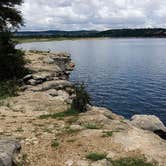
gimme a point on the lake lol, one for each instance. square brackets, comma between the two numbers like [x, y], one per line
[125, 75]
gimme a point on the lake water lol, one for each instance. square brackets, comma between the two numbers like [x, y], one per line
[125, 75]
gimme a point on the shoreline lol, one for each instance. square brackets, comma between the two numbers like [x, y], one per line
[48, 39]
[65, 140]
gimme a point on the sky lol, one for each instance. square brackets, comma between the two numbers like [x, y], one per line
[93, 14]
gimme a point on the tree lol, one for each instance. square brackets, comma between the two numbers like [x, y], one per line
[10, 17]
[11, 59]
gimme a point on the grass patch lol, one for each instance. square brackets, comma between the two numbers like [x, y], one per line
[19, 129]
[131, 162]
[48, 130]
[8, 89]
[55, 143]
[93, 126]
[71, 140]
[110, 133]
[72, 120]
[107, 133]
[72, 131]
[69, 112]
[96, 156]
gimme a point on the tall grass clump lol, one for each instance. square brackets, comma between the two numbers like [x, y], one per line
[81, 99]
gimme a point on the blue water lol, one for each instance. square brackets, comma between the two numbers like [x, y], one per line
[125, 75]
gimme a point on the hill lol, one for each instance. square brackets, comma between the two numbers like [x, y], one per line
[145, 32]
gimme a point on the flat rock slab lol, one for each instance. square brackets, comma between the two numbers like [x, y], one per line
[148, 122]
[8, 149]
[149, 144]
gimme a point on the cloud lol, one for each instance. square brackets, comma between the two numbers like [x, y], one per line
[93, 14]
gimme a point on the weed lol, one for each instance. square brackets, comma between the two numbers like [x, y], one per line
[96, 156]
[19, 129]
[55, 143]
[72, 131]
[108, 133]
[131, 162]
[71, 140]
[93, 126]
[82, 98]
[69, 112]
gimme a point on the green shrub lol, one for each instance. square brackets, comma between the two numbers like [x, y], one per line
[96, 156]
[108, 134]
[131, 162]
[81, 99]
[54, 143]
[8, 89]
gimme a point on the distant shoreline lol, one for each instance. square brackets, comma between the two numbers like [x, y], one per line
[47, 39]
[21, 40]
[33, 36]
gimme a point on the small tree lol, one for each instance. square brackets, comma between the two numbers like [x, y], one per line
[82, 98]
[11, 59]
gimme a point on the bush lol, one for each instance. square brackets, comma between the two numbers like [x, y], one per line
[8, 89]
[131, 162]
[81, 99]
[12, 60]
[96, 156]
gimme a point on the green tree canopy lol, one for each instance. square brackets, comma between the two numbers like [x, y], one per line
[11, 59]
[10, 16]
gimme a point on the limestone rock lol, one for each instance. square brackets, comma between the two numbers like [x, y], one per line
[111, 155]
[76, 127]
[108, 113]
[148, 143]
[55, 84]
[27, 77]
[69, 162]
[103, 162]
[93, 119]
[82, 163]
[8, 149]
[148, 122]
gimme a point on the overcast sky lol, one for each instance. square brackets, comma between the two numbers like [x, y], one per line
[93, 14]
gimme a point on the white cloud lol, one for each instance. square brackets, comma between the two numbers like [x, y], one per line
[93, 14]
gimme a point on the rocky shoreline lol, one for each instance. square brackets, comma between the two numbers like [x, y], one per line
[27, 139]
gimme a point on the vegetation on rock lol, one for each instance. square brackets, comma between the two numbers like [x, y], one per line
[130, 162]
[96, 156]
[69, 112]
[81, 99]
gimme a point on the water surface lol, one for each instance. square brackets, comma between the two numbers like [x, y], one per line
[125, 75]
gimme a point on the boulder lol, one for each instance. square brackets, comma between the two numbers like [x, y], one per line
[145, 142]
[148, 122]
[8, 150]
